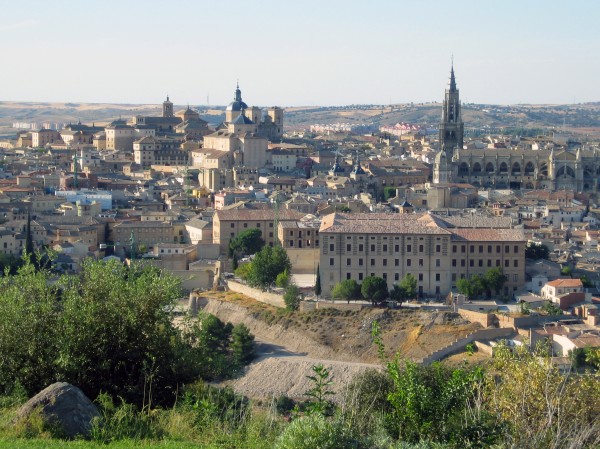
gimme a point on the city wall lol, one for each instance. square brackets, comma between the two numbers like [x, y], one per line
[254, 293]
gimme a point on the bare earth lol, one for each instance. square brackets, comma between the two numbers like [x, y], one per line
[289, 344]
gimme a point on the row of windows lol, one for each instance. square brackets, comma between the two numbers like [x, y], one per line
[438, 248]
[438, 262]
[420, 277]
[232, 225]
[463, 249]
[463, 263]
[384, 248]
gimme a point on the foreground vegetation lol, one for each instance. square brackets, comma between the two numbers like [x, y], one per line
[110, 331]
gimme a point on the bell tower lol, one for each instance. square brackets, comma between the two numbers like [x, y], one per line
[167, 108]
[451, 126]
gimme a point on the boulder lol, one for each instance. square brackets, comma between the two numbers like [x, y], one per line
[64, 406]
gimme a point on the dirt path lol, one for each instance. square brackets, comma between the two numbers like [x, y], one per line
[279, 371]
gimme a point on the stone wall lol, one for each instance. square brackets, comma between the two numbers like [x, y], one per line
[458, 345]
[307, 306]
[304, 260]
[485, 319]
[254, 293]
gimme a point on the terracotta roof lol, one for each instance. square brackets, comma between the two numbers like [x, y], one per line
[490, 235]
[256, 215]
[568, 283]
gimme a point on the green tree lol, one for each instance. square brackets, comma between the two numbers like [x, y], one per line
[282, 280]
[374, 289]
[397, 294]
[28, 236]
[242, 345]
[292, 297]
[408, 284]
[466, 287]
[243, 271]
[566, 270]
[266, 265]
[494, 279]
[318, 290]
[536, 251]
[347, 290]
[586, 281]
[320, 391]
[248, 241]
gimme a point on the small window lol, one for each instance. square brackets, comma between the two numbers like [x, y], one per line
[408, 262]
[360, 276]
[506, 263]
[348, 262]
[516, 249]
[348, 248]
[438, 277]
[360, 262]
[438, 248]
[372, 262]
[397, 262]
[372, 248]
[516, 263]
[453, 262]
[408, 248]
[385, 248]
[438, 263]
[361, 247]
[385, 262]
[331, 247]
[331, 263]
[396, 277]
[420, 276]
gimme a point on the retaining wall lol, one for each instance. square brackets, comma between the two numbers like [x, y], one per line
[307, 306]
[458, 345]
[254, 293]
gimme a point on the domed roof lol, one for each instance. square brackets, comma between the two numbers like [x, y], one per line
[237, 104]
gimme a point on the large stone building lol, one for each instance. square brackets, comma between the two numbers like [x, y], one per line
[436, 250]
[503, 168]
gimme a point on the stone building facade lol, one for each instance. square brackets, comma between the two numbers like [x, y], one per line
[437, 251]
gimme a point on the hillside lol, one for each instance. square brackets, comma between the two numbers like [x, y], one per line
[582, 118]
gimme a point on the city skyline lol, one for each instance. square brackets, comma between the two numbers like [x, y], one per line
[301, 53]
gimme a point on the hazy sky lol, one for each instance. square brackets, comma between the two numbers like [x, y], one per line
[299, 52]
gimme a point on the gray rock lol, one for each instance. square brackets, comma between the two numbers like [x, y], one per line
[64, 406]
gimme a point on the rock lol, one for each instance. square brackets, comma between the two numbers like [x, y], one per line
[64, 406]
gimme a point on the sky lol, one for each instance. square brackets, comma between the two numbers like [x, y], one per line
[299, 52]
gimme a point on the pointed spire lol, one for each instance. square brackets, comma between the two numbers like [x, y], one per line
[452, 80]
[238, 92]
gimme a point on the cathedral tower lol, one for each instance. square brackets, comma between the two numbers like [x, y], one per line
[451, 126]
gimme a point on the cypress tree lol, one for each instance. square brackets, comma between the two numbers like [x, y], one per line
[318, 282]
[28, 238]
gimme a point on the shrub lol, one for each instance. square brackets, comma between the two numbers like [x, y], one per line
[316, 431]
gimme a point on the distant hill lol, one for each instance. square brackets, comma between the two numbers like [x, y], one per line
[584, 118]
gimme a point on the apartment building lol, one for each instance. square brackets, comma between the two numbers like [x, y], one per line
[436, 251]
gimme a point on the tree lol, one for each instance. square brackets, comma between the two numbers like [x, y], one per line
[242, 345]
[318, 290]
[292, 297]
[266, 265]
[282, 280]
[320, 391]
[536, 251]
[107, 329]
[28, 236]
[494, 279]
[374, 289]
[466, 287]
[397, 294]
[248, 241]
[346, 290]
[408, 284]
[566, 271]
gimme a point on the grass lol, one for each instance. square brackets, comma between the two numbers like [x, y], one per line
[80, 444]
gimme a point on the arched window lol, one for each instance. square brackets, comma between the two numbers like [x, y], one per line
[489, 167]
[503, 167]
[463, 169]
[516, 169]
[529, 168]
[477, 167]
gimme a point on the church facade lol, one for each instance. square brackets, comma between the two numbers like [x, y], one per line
[504, 168]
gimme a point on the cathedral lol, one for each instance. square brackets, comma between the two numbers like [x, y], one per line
[505, 168]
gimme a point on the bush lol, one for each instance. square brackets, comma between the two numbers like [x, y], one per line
[315, 431]
[365, 400]
[284, 404]
[292, 297]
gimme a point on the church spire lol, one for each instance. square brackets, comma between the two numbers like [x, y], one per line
[452, 80]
